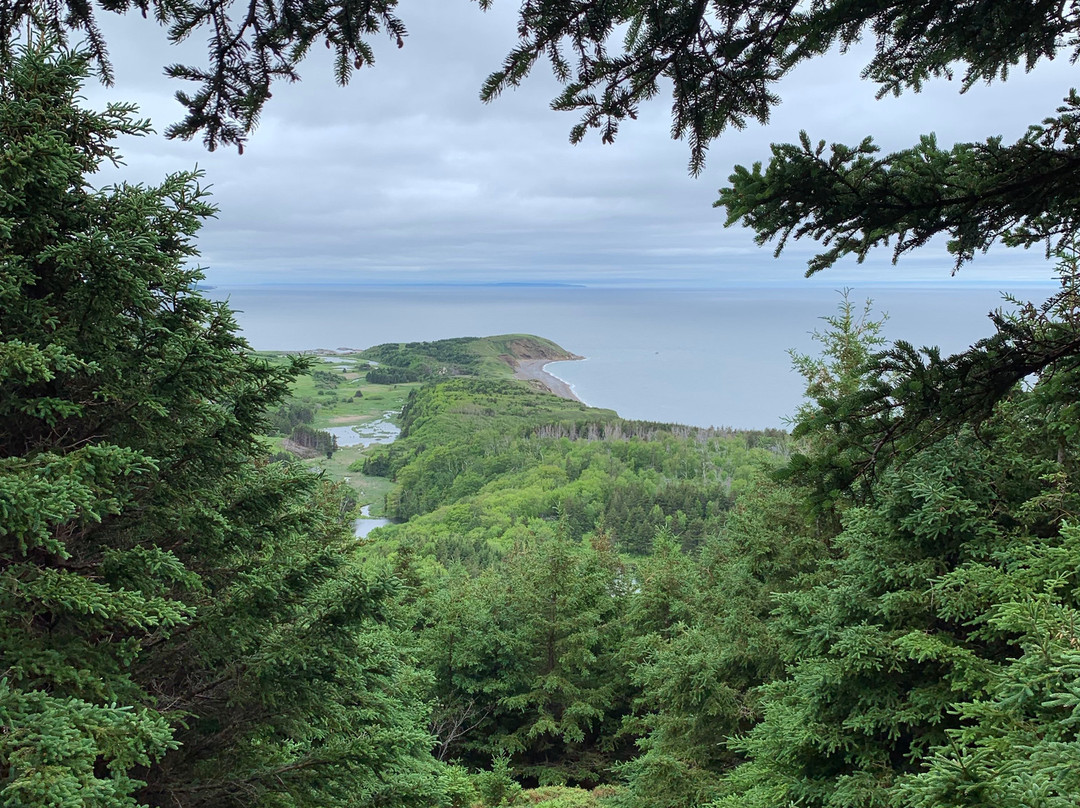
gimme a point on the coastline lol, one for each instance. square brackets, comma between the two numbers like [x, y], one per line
[533, 370]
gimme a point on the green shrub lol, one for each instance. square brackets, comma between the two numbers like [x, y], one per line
[497, 787]
[457, 784]
[562, 797]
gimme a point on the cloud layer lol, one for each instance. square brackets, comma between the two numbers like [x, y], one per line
[404, 175]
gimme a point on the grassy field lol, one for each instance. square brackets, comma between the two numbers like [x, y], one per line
[331, 389]
[337, 390]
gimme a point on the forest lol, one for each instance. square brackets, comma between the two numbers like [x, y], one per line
[879, 609]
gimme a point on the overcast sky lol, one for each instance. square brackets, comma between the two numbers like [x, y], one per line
[405, 175]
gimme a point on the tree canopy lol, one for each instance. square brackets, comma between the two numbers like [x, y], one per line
[181, 622]
[892, 623]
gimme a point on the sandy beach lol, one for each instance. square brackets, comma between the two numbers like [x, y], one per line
[533, 370]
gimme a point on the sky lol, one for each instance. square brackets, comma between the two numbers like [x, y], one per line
[404, 176]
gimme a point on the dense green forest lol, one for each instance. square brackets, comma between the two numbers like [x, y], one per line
[880, 609]
[685, 618]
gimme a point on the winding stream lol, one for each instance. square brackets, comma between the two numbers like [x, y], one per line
[367, 523]
[381, 430]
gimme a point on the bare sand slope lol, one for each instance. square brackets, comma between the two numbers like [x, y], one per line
[533, 370]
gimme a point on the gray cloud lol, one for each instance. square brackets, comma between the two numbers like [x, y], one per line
[405, 174]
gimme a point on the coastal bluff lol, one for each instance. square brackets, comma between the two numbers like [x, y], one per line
[527, 357]
[518, 356]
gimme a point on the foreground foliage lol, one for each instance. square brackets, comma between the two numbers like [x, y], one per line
[575, 599]
[183, 623]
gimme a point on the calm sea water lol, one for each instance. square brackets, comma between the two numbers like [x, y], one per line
[701, 357]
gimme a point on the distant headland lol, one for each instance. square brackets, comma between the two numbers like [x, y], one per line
[518, 356]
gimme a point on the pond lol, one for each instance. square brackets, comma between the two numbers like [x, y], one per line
[367, 523]
[382, 430]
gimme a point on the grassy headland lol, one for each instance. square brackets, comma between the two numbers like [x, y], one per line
[354, 389]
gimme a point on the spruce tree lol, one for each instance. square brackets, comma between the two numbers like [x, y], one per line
[560, 611]
[704, 642]
[934, 660]
[182, 622]
[525, 659]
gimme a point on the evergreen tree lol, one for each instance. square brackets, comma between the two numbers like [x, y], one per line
[183, 623]
[1018, 744]
[932, 663]
[561, 612]
[705, 641]
[525, 660]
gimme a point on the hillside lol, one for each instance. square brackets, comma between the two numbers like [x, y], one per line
[487, 357]
[345, 401]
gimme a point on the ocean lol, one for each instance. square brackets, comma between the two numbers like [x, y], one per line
[705, 357]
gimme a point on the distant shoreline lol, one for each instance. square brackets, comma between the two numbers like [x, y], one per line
[533, 370]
